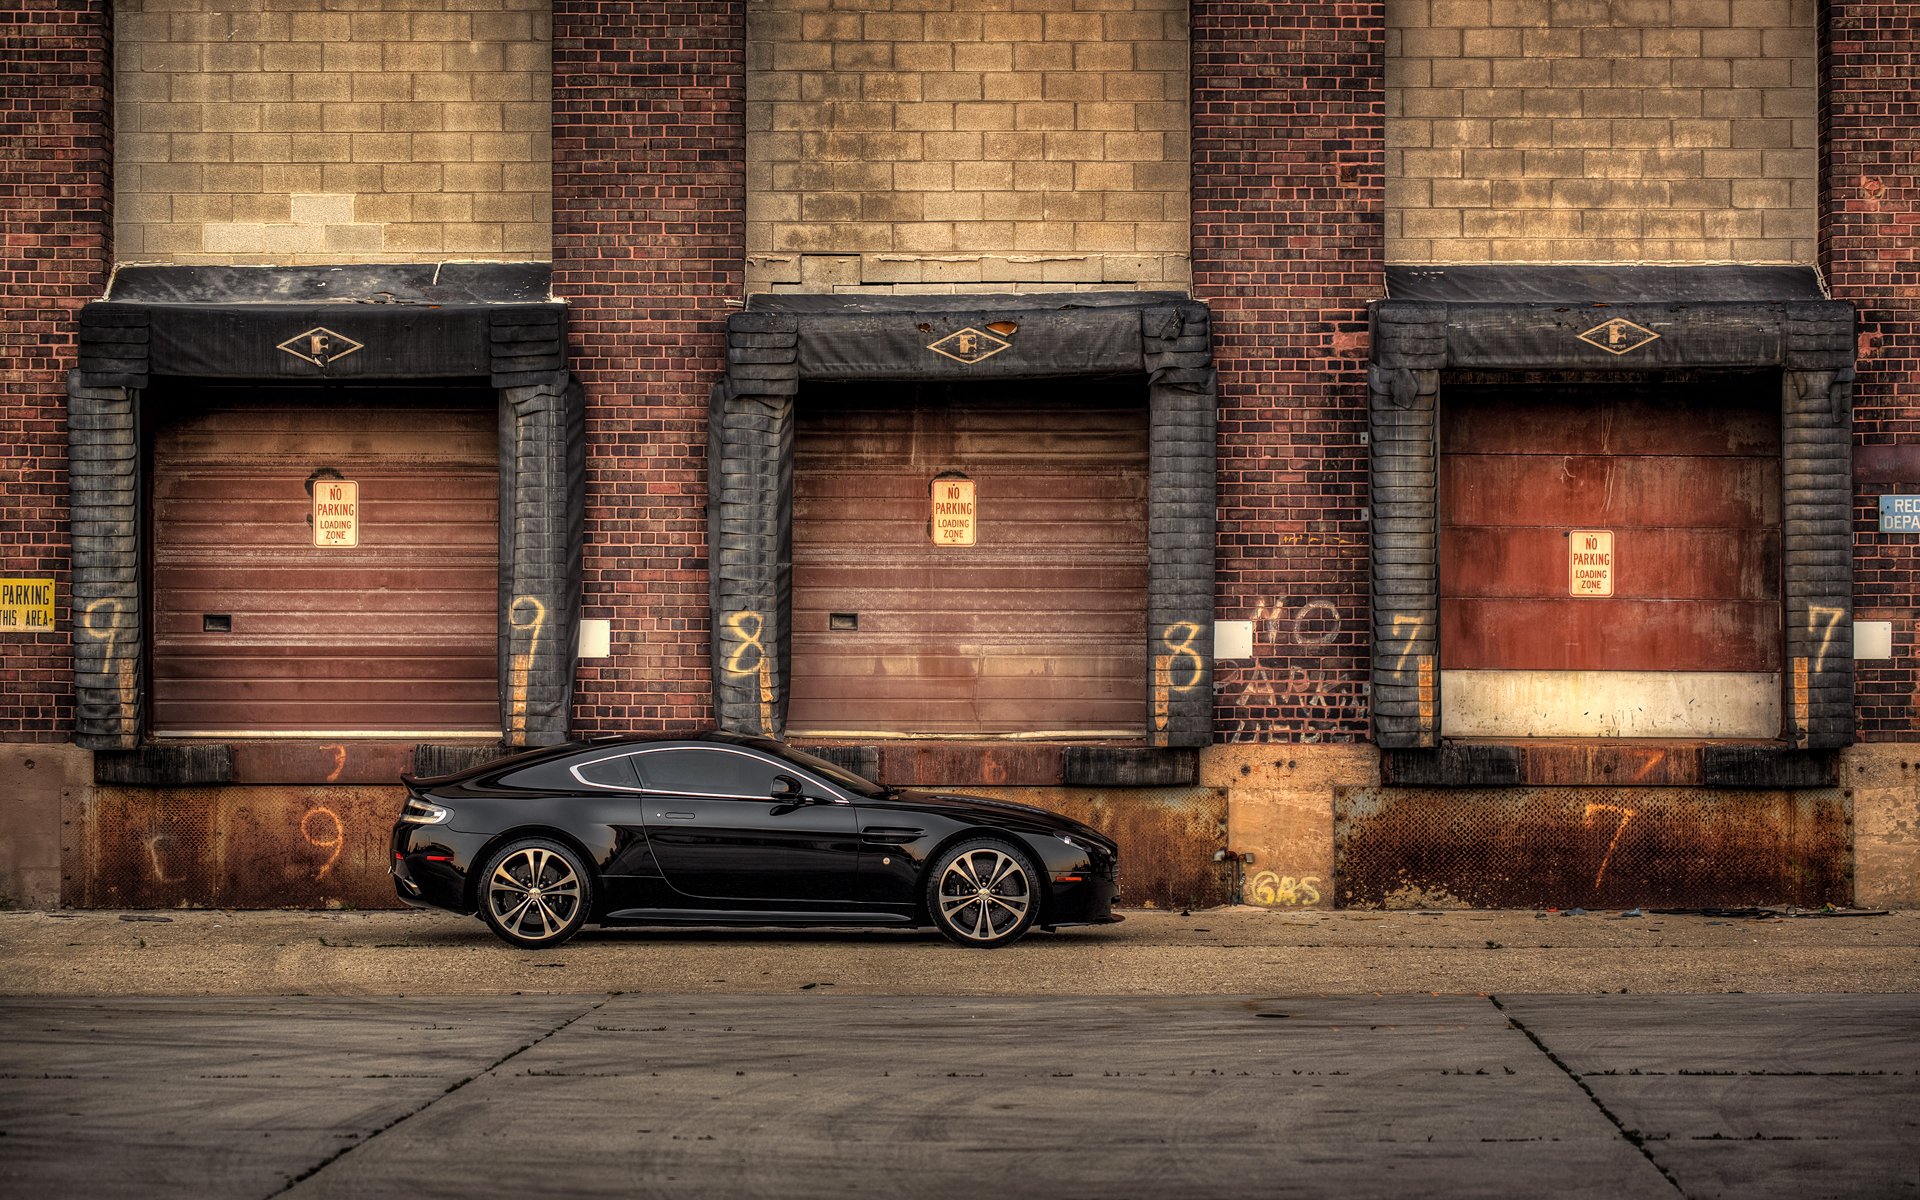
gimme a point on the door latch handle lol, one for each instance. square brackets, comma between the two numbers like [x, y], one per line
[675, 816]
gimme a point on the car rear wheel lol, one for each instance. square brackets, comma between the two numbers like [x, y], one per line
[535, 893]
[983, 893]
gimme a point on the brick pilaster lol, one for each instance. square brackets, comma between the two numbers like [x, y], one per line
[55, 254]
[1870, 252]
[1288, 204]
[649, 245]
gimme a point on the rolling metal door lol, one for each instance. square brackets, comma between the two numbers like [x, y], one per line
[1681, 632]
[257, 630]
[1035, 629]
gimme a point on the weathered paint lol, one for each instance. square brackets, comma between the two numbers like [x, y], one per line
[258, 627]
[1884, 782]
[1617, 571]
[1727, 704]
[1032, 624]
[238, 847]
[1590, 847]
[1167, 836]
[1280, 811]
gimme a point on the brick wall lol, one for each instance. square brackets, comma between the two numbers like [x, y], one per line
[1288, 109]
[1590, 131]
[649, 242]
[55, 97]
[1870, 252]
[947, 145]
[310, 131]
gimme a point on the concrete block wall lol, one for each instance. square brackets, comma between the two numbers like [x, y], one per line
[310, 131]
[1601, 131]
[948, 145]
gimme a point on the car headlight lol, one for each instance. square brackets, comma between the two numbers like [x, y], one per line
[420, 812]
[1069, 841]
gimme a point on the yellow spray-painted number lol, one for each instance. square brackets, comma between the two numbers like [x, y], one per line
[1180, 658]
[747, 626]
[520, 671]
[1815, 613]
[120, 673]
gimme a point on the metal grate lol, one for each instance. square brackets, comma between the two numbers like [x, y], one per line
[1589, 847]
[233, 848]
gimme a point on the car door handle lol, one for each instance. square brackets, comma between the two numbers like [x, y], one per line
[675, 816]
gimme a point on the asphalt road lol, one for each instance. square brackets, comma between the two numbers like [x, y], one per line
[823, 1094]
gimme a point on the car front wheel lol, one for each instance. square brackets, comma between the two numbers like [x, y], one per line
[983, 893]
[535, 893]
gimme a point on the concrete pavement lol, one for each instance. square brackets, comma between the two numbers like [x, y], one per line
[823, 1094]
[1221, 1053]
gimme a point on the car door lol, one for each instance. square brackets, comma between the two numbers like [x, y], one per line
[718, 832]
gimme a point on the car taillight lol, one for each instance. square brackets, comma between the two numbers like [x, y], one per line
[423, 812]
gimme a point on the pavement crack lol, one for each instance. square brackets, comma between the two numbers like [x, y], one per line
[450, 1089]
[1634, 1137]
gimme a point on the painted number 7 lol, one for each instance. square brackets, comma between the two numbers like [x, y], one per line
[1814, 613]
[1406, 642]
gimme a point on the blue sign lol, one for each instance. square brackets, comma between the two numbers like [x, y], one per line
[1900, 514]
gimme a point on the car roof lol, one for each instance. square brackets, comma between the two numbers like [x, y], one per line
[523, 759]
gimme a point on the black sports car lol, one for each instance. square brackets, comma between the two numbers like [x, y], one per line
[721, 829]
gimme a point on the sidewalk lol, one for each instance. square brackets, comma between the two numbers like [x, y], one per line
[1220, 951]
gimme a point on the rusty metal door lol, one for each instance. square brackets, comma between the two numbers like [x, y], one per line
[388, 627]
[1036, 626]
[1611, 546]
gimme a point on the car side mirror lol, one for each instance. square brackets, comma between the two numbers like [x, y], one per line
[787, 790]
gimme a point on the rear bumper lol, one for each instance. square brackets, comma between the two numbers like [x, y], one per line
[429, 865]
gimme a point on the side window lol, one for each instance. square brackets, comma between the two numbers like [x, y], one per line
[610, 772]
[710, 772]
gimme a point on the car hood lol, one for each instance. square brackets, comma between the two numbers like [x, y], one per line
[1000, 812]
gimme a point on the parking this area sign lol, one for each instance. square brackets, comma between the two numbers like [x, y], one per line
[1900, 514]
[26, 605]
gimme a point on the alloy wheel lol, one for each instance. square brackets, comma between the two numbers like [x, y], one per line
[984, 894]
[533, 894]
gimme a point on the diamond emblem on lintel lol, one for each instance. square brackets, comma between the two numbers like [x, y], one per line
[320, 346]
[969, 345]
[1619, 336]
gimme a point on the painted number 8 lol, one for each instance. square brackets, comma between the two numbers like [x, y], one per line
[1178, 640]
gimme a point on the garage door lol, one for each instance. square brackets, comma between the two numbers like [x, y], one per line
[1610, 560]
[390, 628]
[1037, 627]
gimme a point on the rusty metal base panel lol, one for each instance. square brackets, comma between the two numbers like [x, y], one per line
[229, 847]
[1590, 847]
[1167, 839]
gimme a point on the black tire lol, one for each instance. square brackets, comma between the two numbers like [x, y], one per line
[534, 893]
[983, 893]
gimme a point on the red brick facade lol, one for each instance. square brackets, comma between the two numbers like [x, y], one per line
[649, 237]
[1870, 253]
[649, 247]
[55, 254]
[1288, 248]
